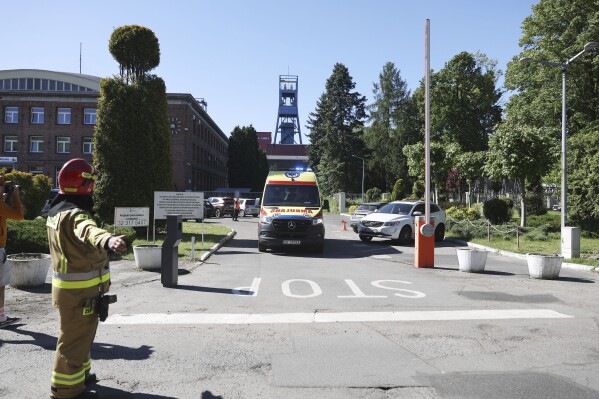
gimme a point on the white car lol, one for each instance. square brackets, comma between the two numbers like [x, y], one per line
[396, 221]
[248, 207]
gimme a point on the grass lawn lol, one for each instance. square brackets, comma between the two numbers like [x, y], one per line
[213, 233]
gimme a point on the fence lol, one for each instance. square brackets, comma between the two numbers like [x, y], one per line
[484, 224]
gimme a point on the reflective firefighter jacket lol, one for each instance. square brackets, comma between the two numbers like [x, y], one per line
[79, 257]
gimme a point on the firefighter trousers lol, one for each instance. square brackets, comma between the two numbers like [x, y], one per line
[72, 362]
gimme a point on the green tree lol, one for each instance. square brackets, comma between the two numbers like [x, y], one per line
[247, 164]
[335, 133]
[470, 165]
[556, 31]
[394, 123]
[465, 98]
[520, 153]
[132, 143]
[583, 180]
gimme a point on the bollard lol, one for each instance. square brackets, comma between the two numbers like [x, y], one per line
[170, 251]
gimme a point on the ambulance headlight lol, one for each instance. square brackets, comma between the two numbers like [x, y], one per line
[266, 219]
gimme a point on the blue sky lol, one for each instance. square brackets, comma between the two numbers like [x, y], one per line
[231, 53]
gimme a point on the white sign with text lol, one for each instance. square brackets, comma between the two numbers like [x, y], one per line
[131, 217]
[190, 205]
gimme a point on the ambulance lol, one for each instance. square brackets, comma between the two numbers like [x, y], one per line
[291, 212]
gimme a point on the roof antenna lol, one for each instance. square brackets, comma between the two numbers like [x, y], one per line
[80, 48]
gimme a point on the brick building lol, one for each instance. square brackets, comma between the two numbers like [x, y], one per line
[47, 118]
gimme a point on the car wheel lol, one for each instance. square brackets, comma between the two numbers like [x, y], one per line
[261, 247]
[365, 238]
[405, 235]
[217, 213]
[242, 213]
[440, 233]
[256, 215]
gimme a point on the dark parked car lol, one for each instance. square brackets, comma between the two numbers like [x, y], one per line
[361, 211]
[51, 196]
[222, 206]
[208, 209]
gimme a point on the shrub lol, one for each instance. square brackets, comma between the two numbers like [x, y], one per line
[462, 213]
[552, 221]
[497, 211]
[32, 236]
[397, 192]
[352, 208]
[373, 194]
[27, 236]
[33, 191]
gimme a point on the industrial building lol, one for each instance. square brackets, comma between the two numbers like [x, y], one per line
[48, 118]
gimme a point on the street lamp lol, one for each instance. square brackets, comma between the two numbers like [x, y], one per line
[564, 67]
[362, 175]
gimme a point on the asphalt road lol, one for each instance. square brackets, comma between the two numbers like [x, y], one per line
[357, 321]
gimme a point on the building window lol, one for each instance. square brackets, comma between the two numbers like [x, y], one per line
[89, 116]
[88, 145]
[10, 143]
[63, 145]
[36, 170]
[36, 144]
[11, 115]
[63, 116]
[37, 115]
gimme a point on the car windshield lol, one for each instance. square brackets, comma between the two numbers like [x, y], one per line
[250, 202]
[369, 208]
[291, 195]
[396, 208]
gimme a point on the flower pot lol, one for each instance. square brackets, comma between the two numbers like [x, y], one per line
[148, 257]
[29, 269]
[543, 266]
[471, 260]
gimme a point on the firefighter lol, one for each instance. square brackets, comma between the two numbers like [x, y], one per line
[81, 277]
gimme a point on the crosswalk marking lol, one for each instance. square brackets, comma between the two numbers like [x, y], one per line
[332, 317]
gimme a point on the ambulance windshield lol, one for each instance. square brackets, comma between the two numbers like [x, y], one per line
[291, 195]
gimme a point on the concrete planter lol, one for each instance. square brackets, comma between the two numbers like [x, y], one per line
[29, 269]
[148, 257]
[544, 266]
[471, 260]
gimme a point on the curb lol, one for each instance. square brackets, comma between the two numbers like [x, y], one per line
[216, 246]
[573, 266]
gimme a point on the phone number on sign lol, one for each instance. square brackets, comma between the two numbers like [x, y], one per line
[137, 223]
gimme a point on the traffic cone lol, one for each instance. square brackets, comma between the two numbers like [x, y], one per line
[344, 225]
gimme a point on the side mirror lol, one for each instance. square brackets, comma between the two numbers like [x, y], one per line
[416, 213]
[325, 205]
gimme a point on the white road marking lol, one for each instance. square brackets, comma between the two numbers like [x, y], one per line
[381, 256]
[340, 317]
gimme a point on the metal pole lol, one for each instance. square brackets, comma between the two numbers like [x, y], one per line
[564, 163]
[427, 126]
[362, 179]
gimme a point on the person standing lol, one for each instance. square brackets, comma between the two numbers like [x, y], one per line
[81, 277]
[236, 209]
[10, 208]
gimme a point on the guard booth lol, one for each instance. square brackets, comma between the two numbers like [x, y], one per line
[170, 251]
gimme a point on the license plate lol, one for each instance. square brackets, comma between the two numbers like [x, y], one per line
[291, 242]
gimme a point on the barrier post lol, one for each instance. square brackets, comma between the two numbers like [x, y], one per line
[425, 245]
